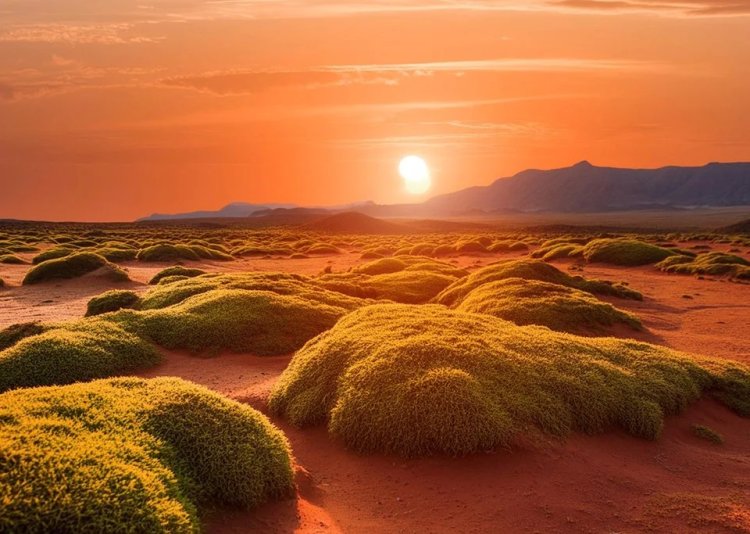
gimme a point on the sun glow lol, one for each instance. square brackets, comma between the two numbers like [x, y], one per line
[416, 174]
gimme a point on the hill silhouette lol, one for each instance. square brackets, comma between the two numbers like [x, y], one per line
[588, 188]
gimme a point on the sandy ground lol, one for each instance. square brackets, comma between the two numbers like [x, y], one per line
[605, 483]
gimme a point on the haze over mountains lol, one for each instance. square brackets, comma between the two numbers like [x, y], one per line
[582, 188]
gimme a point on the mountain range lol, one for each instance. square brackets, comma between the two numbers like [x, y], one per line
[581, 188]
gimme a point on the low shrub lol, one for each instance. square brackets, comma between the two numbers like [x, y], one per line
[417, 380]
[72, 266]
[72, 352]
[626, 252]
[562, 308]
[177, 270]
[132, 455]
[112, 300]
[529, 270]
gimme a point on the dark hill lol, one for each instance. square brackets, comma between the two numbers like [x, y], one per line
[587, 188]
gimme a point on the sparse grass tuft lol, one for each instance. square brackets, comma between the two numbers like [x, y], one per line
[708, 434]
[417, 380]
[131, 455]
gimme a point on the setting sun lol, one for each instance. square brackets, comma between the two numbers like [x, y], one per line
[416, 174]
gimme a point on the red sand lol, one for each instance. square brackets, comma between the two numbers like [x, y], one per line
[605, 483]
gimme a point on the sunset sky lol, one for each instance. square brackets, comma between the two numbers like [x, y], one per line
[114, 109]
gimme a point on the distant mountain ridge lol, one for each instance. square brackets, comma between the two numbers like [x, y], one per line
[581, 188]
[235, 209]
[587, 188]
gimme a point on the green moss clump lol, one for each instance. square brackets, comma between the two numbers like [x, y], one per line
[112, 300]
[407, 279]
[711, 263]
[52, 254]
[115, 254]
[72, 266]
[129, 455]
[627, 252]
[73, 352]
[299, 286]
[167, 252]
[558, 250]
[11, 259]
[177, 270]
[240, 320]
[417, 380]
[708, 434]
[529, 270]
[562, 308]
[14, 333]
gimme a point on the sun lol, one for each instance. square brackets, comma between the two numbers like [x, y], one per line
[416, 174]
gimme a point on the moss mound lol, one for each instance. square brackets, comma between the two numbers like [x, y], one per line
[71, 352]
[626, 252]
[711, 263]
[417, 380]
[529, 270]
[113, 300]
[15, 333]
[73, 266]
[167, 252]
[303, 287]
[11, 259]
[239, 320]
[557, 307]
[130, 455]
[406, 279]
[52, 254]
[177, 270]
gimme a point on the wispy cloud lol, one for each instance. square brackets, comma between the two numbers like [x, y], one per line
[115, 33]
[253, 81]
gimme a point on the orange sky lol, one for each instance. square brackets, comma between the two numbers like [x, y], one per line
[113, 112]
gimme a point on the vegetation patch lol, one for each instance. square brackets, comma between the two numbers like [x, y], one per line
[167, 252]
[626, 252]
[73, 266]
[708, 434]
[113, 300]
[52, 254]
[239, 320]
[529, 270]
[177, 270]
[14, 333]
[407, 279]
[557, 307]
[711, 263]
[70, 352]
[11, 259]
[416, 380]
[131, 455]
